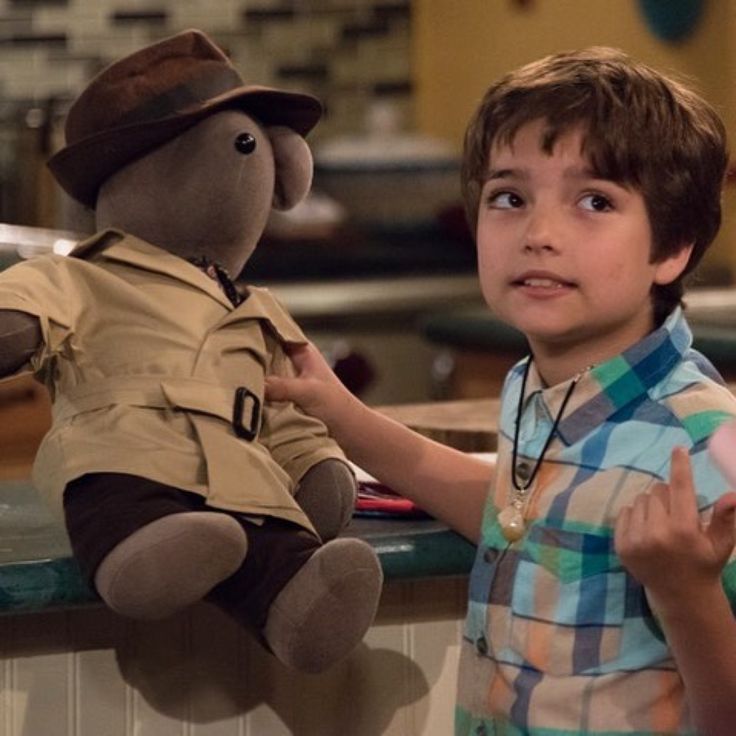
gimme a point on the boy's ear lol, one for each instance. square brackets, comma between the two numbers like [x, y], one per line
[667, 270]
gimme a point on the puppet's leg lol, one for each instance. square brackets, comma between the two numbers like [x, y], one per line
[170, 564]
[325, 610]
[311, 603]
[149, 549]
[326, 494]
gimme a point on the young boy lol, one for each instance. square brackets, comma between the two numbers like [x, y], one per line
[599, 599]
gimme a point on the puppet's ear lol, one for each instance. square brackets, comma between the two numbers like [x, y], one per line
[293, 167]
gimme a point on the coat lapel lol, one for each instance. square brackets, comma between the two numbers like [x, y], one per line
[262, 305]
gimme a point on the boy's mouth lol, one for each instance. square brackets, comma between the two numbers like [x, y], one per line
[540, 280]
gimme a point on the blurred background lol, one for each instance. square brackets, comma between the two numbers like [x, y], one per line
[378, 266]
[380, 251]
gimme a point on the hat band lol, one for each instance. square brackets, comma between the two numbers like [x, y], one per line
[178, 99]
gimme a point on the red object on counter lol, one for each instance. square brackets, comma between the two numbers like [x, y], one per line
[375, 499]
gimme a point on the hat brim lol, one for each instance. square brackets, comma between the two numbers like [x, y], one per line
[82, 167]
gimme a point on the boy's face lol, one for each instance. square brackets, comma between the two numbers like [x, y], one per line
[565, 256]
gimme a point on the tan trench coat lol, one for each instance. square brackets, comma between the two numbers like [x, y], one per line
[143, 354]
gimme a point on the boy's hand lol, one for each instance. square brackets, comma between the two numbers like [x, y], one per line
[662, 542]
[316, 389]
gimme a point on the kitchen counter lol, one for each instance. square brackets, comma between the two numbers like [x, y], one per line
[37, 572]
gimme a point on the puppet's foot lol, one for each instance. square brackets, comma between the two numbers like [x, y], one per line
[326, 608]
[171, 563]
[327, 494]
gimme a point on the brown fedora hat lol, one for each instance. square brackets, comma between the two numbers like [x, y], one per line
[149, 97]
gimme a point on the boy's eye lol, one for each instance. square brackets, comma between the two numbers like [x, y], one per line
[505, 200]
[596, 203]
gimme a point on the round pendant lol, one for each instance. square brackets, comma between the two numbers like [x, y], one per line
[512, 523]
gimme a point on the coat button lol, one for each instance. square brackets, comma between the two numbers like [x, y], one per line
[490, 555]
[481, 645]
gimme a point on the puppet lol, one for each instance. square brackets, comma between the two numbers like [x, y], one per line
[177, 481]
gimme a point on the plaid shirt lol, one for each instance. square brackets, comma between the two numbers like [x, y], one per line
[559, 639]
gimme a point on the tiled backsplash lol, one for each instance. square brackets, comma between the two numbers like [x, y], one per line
[346, 52]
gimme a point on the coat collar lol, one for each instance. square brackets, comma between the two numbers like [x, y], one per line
[607, 388]
[116, 245]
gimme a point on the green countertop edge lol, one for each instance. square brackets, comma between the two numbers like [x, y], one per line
[53, 584]
[437, 553]
[42, 585]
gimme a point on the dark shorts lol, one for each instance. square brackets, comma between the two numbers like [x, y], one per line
[103, 509]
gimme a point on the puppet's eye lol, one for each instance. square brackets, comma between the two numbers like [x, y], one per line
[245, 143]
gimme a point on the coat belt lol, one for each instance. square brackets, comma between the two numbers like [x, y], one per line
[237, 405]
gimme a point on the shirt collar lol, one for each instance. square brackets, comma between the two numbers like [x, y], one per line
[606, 388]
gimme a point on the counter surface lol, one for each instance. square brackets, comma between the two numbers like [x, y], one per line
[406, 550]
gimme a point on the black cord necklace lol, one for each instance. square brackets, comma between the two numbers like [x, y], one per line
[511, 518]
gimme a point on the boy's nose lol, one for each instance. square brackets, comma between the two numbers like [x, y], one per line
[541, 234]
[538, 247]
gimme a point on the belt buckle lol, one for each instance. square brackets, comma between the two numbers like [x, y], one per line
[243, 396]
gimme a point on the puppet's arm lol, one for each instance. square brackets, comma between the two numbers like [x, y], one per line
[20, 336]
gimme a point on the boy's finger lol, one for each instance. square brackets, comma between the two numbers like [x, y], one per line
[273, 390]
[682, 499]
[299, 356]
[278, 389]
[661, 491]
[721, 529]
[309, 362]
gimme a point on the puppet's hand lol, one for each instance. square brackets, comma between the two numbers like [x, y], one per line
[316, 389]
[20, 336]
[662, 542]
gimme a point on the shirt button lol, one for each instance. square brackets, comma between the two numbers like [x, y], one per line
[481, 730]
[481, 645]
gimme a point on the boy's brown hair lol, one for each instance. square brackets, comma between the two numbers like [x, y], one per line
[643, 130]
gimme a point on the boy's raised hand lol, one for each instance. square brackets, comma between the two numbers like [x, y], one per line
[663, 543]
